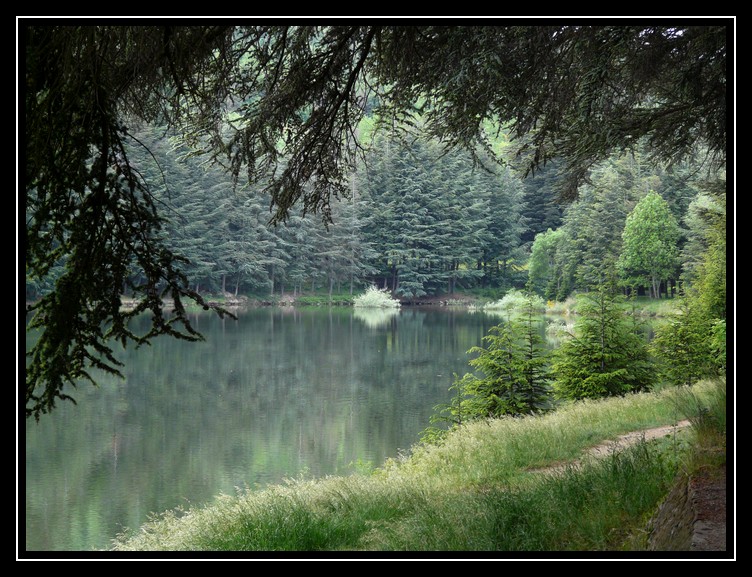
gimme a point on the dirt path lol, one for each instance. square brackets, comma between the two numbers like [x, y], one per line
[624, 441]
[705, 495]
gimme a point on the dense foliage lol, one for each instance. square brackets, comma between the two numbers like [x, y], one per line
[606, 356]
[281, 109]
[594, 243]
[435, 224]
[684, 346]
[650, 244]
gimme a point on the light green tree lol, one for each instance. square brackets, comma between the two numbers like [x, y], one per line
[650, 253]
[543, 272]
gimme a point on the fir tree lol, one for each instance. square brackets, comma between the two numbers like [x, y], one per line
[684, 345]
[605, 357]
[514, 368]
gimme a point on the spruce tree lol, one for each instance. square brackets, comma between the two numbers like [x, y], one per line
[605, 357]
[683, 345]
[514, 369]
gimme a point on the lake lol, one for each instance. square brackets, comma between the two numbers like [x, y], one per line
[280, 393]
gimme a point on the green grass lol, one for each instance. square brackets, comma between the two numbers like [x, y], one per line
[660, 308]
[589, 509]
[707, 413]
[478, 491]
[324, 300]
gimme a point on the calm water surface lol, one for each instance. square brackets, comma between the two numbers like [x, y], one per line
[278, 394]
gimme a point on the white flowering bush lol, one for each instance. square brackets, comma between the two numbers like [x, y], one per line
[376, 298]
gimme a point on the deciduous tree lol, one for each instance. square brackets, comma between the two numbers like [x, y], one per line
[650, 248]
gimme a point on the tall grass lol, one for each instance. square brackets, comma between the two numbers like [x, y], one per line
[480, 490]
[589, 508]
[705, 408]
[514, 303]
[495, 451]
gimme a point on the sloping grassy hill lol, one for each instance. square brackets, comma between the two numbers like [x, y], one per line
[482, 490]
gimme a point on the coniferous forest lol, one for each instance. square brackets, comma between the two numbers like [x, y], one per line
[423, 222]
[186, 162]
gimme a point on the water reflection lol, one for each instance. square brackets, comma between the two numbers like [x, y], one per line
[277, 394]
[375, 317]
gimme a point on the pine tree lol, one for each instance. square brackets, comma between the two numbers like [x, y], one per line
[502, 253]
[605, 357]
[433, 218]
[542, 209]
[514, 369]
[684, 345]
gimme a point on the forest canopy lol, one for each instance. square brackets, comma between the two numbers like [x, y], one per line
[282, 105]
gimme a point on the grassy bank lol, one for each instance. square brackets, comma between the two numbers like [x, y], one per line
[479, 491]
[476, 299]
